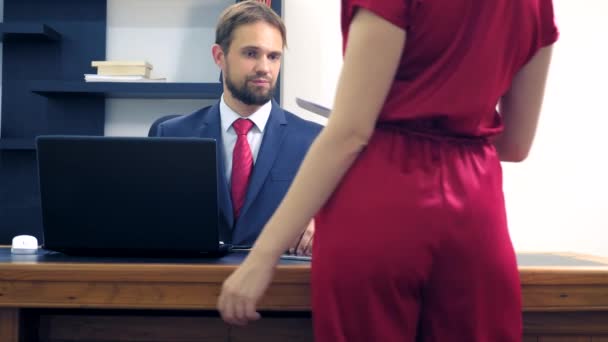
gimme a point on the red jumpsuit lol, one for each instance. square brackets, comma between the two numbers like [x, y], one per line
[414, 245]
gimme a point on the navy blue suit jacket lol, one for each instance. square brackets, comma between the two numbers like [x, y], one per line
[285, 143]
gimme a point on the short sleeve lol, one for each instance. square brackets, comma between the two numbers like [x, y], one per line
[548, 28]
[394, 11]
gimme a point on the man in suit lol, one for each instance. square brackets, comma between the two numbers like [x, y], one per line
[260, 145]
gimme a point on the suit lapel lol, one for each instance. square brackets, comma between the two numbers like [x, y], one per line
[212, 128]
[274, 133]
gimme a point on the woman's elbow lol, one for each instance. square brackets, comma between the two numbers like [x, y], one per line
[513, 148]
[513, 154]
[355, 143]
[351, 141]
[516, 158]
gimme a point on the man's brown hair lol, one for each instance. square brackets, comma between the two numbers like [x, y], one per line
[244, 13]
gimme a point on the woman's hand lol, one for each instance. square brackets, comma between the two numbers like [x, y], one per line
[243, 289]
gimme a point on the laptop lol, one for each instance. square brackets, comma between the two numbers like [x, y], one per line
[129, 196]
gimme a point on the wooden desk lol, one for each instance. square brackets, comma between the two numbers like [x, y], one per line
[58, 298]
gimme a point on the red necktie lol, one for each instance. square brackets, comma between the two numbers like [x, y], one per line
[242, 164]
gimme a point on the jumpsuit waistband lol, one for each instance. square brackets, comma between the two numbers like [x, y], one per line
[431, 129]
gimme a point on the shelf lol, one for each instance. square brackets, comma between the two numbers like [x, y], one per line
[27, 31]
[148, 90]
[17, 144]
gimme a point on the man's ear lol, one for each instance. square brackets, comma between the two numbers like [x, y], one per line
[218, 55]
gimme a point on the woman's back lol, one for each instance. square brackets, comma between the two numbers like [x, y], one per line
[460, 58]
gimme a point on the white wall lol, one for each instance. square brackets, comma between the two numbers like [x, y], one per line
[557, 200]
[314, 55]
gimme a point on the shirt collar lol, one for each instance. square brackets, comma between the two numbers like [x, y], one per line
[259, 118]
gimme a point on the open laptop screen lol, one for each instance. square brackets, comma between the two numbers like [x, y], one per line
[128, 194]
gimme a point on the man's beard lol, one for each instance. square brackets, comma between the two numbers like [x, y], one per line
[245, 94]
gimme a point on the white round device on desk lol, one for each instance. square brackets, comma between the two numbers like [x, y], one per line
[24, 244]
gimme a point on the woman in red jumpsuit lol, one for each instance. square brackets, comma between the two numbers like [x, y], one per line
[411, 240]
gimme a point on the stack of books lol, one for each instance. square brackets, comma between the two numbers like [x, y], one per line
[122, 71]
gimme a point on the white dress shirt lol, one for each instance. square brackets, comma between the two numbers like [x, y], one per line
[254, 137]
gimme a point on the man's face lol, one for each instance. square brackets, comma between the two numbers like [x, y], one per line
[252, 63]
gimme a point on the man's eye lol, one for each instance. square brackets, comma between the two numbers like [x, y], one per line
[250, 53]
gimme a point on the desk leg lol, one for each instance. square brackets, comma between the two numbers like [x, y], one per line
[9, 324]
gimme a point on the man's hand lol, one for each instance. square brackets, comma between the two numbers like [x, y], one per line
[303, 245]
